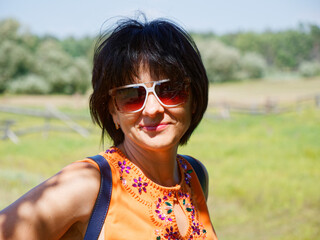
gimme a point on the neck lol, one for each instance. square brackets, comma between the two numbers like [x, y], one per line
[158, 165]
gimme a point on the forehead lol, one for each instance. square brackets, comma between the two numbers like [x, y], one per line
[147, 71]
[145, 74]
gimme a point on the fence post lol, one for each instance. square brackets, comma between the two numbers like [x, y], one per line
[254, 109]
[317, 98]
[8, 133]
[270, 106]
[46, 127]
[68, 121]
[224, 111]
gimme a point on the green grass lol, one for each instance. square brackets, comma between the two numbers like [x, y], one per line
[264, 174]
[264, 170]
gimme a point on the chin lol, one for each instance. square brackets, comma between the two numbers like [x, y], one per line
[159, 143]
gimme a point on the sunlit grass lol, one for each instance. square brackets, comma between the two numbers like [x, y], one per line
[264, 170]
[263, 174]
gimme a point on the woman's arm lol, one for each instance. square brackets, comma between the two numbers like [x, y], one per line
[59, 205]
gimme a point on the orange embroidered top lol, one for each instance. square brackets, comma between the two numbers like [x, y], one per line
[141, 209]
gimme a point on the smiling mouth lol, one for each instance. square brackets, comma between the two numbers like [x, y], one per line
[154, 128]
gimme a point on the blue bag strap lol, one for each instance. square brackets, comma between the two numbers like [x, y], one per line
[200, 173]
[101, 206]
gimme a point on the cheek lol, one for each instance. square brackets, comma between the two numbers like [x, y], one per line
[128, 121]
[184, 116]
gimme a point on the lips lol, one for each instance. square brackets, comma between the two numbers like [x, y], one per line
[154, 127]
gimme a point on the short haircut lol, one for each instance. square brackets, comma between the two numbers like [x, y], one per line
[164, 48]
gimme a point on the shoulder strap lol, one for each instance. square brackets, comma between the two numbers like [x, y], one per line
[103, 200]
[200, 173]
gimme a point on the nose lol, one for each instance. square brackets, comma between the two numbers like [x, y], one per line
[153, 106]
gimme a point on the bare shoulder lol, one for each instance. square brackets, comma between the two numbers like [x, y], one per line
[50, 209]
[76, 186]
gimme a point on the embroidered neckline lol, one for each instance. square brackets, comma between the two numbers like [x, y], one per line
[159, 199]
[126, 166]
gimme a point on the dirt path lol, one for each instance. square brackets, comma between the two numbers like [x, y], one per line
[75, 101]
[259, 92]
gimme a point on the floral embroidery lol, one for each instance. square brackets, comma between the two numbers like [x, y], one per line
[159, 201]
[164, 209]
[140, 185]
[110, 150]
[170, 234]
[197, 230]
[187, 176]
[123, 166]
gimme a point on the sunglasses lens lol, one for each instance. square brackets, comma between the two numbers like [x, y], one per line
[130, 99]
[172, 93]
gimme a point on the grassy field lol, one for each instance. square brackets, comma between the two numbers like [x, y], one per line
[264, 170]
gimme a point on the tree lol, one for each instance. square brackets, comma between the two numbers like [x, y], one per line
[252, 65]
[65, 74]
[284, 49]
[315, 38]
[221, 61]
[9, 29]
[15, 61]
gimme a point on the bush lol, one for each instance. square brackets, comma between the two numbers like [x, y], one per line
[65, 74]
[309, 69]
[221, 62]
[252, 65]
[81, 75]
[29, 84]
[15, 61]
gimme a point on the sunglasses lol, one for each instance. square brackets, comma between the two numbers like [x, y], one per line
[132, 98]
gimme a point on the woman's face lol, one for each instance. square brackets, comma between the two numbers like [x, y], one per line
[155, 127]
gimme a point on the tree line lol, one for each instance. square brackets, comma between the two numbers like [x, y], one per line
[42, 65]
[242, 55]
[48, 65]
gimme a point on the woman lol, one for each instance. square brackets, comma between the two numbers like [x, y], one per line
[150, 91]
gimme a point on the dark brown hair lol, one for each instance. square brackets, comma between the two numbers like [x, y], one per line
[161, 45]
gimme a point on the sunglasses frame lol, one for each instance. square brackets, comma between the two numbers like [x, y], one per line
[112, 93]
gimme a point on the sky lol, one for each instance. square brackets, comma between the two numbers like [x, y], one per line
[79, 18]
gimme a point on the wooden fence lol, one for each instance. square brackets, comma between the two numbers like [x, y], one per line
[6, 126]
[224, 109]
[217, 110]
